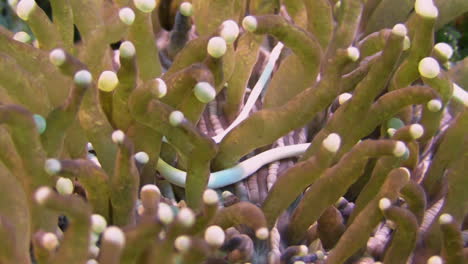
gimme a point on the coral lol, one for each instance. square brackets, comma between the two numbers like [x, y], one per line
[233, 131]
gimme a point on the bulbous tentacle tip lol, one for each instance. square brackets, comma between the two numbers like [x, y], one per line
[150, 189]
[400, 30]
[332, 142]
[434, 105]
[445, 219]
[25, 8]
[353, 53]
[210, 197]
[127, 16]
[429, 68]
[384, 204]
[216, 47]
[406, 43]
[57, 57]
[83, 78]
[127, 50]
[229, 31]
[64, 186]
[407, 172]
[186, 217]
[426, 8]
[435, 260]
[182, 243]
[22, 37]
[162, 87]
[49, 241]
[262, 233]
[98, 223]
[114, 235]
[250, 23]
[416, 131]
[42, 194]
[108, 81]
[176, 118]
[145, 6]
[400, 149]
[118, 136]
[141, 157]
[204, 92]
[52, 166]
[165, 214]
[303, 250]
[391, 131]
[344, 97]
[214, 236]
[444, 49]
[186, 9]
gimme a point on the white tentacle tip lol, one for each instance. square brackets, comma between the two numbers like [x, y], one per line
[204, 92]
[42, 194]
[186, 217]
[229, 31]
[303, 250]
[57, 57]
[22, 37]
[145, 6]
[400, 30]
[344, 97]
[52, 166]
[127, 50]
[141, 157]
[165, 213]
[400, 149]
[49, 241]
[353, 53]
[262, 233]
[176, 118]
[83, 78]
[216, 47]
[416, 131]
[127, 16]
[98, 223]
[64, 186]
[214, 236]
[118, 136]
[445, 219]
[162, 87]
[434, 105]
[332, 142]
[25, 8]
[407, 172]
[186, 9]
[406, 43]
[384, 204]
[460, 95]
[108, 81]
[150, 188]
[426, 8]
[210, 197]
[435, 260]
[250, 23]
[115, 236]
[429, 68]
[182, 243]
[444, 50]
